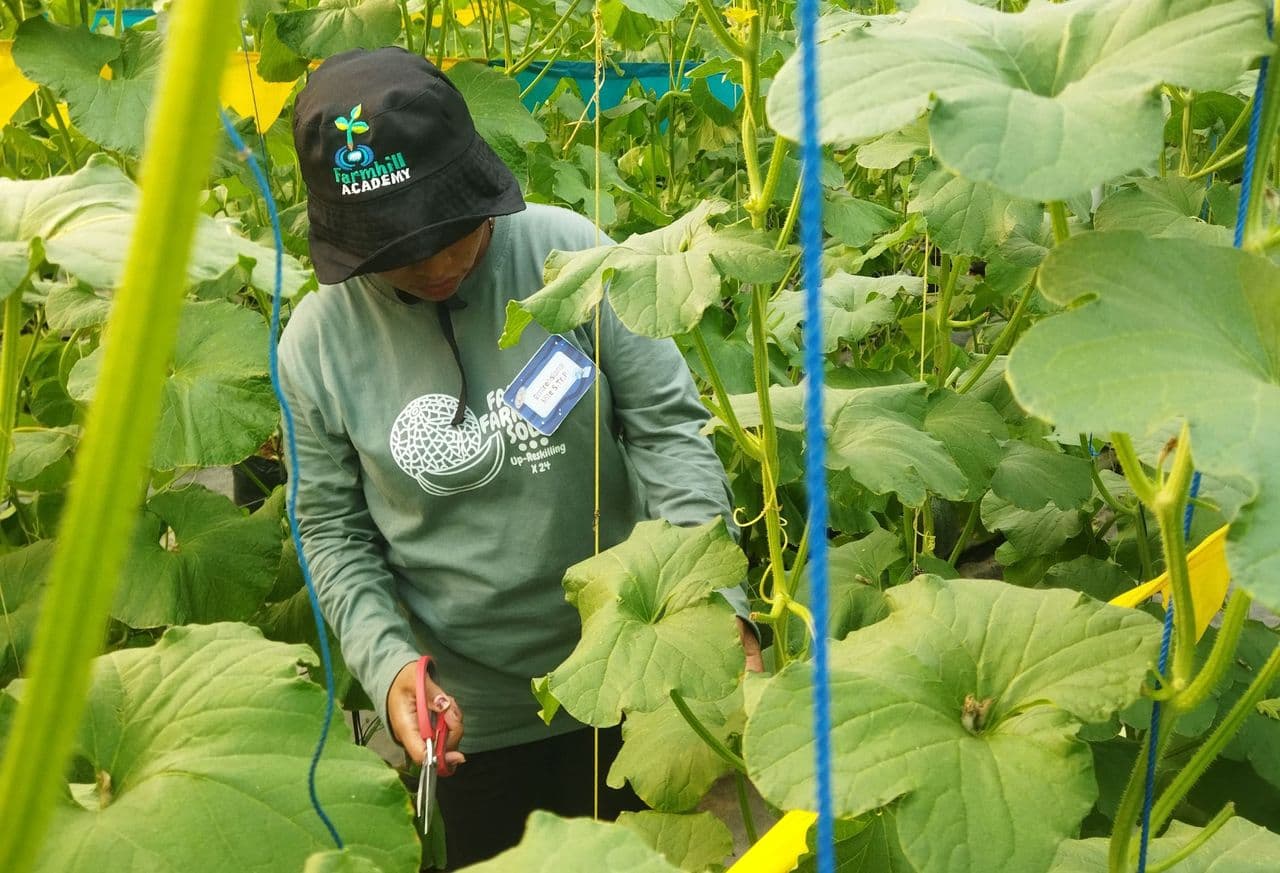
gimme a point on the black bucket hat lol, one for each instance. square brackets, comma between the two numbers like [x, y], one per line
[394, 168]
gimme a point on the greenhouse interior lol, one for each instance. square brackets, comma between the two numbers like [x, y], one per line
[750, 435]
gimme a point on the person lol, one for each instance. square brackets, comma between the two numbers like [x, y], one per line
[434, 516]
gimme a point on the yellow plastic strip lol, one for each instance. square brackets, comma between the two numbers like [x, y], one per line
[1210, 579]
[241, 84]
[779, 849]
[15, 88]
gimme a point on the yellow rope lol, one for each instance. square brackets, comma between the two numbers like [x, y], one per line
[598, 21]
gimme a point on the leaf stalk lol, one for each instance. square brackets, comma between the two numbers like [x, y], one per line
[1217, 741]
[111, 469]
[713, 742]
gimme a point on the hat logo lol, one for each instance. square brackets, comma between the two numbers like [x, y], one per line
[351, 156]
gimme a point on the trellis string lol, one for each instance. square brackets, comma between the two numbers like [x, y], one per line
[815, 456]
[291, 447]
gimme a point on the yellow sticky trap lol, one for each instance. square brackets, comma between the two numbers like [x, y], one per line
[15, 88]
[1210, 578]
[251, 96]
[779, 849]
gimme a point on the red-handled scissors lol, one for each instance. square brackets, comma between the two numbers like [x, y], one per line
[434, 731]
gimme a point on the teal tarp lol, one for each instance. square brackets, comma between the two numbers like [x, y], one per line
[653, 77]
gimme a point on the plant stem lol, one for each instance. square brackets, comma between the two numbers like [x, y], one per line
[749, 444]
[1170, 506]
[64, 136]
[1225, 142]
[529, 56]
[744, 804]
[1184, 151]
[1224, 648]
[769, 470]
[1002, 341]
[789, 224]
[1142, 540]
[10, 379]
[776, 159]
[1058, 217]
[713, 742]
[1119, 851]
[1141, 484]
[1216, 742]
[1206, 834]
[942, 335]
[970, 523]
[504, 13]
[111, 468]
[1265, 147]
[408, 25]
[735, 48]
[750, 97]
[546, 68]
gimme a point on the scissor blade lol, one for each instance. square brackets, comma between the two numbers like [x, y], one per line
[426, 788]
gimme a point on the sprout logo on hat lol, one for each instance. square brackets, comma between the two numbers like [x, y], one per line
[356, 167]
[353, 155]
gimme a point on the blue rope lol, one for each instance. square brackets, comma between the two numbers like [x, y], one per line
[1246, 187]
[815, 460]
[292, 449]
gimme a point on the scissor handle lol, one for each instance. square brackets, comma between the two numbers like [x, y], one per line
[429, 724]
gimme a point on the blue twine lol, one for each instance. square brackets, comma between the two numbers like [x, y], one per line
[1246, 188]
[815, 459]
[292, 449]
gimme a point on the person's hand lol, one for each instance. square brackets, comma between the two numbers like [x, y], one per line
[751, 647]
[402, 712]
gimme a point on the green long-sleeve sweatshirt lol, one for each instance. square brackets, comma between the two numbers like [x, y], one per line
[424, 537]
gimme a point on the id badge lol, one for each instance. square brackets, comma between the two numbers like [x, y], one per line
[550, 385]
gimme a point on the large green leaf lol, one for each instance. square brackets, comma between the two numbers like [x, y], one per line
[651, 623]
[1167, 206]
[1031, 476]
[494, 101]
[855, 570]
[970, 429]
[1240, 847]
[39, 456]
[22, 583]
[863, 845]
[201, 746]
[693, 842]
[668, 765]
[109, 107]
[85, 221]
[965, 217]
[1167, 330]
[335, 26]
[876, 434]
[856, 222]
[340, 861]
[961, 705]
[852, 308]
[1030, 532]
[558, 845]
[218, 406]
[1044, 103]
[659, 282]
[197, 557]
[658, 10]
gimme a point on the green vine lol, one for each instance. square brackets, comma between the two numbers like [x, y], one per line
[112, 462]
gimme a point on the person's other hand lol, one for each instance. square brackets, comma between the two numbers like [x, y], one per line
[402, 712]
[751, 647]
